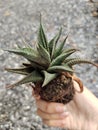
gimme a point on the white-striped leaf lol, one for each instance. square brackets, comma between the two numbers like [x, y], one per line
[22, 70]
[32, 77]
[60, 68]
[58, 60]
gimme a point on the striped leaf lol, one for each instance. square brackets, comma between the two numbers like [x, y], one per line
[44, 53]
[42, 40]
[25, 52]
[32, 77]
[34, 65]
[58, 60]
[22, 70]
[70, 50]
[29, 54]
[79, 61]
[60, 68]
[69, 59]
[53, 42]
[60, 48]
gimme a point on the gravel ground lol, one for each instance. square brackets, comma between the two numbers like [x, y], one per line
[19, 20]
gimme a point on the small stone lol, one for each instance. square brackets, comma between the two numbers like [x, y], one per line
[24, 119]
[26, 108]
[1, 104]
[7, 13]
[95, 13]
[97, 86]
[1, 52]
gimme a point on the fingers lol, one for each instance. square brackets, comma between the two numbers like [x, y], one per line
[52, 114]
[50, 107]
[48, 116]
[56, 123]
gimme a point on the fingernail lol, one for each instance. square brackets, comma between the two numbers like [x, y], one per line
[60, 108]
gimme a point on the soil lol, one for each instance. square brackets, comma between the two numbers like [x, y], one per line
[60, 90]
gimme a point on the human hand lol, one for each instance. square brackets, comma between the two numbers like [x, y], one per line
[79, 114]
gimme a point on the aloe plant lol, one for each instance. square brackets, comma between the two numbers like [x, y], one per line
[49, 68]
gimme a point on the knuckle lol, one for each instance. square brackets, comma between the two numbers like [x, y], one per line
[43, 115]
[47, 107]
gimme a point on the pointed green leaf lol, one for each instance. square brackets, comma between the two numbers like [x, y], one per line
[34, 65]
[42, 40]
[29, 54]
[48, 77]
[60, 68]
[70, 50]
[32, 77]
[26, 64]
[79, 61]
[69, 59]
[58, 60]
[22, 70]
[44, 53]
[38, 65]
[53, 42]
[51, 45]
[25, 52]
[60, 48]
[58, 36]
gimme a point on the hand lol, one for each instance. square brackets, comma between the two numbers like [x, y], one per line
[80, 114]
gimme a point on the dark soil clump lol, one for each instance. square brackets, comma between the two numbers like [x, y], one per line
[60, 90]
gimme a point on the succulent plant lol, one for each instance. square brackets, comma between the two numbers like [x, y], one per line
[49, 68]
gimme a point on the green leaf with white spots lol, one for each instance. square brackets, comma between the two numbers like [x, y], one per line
[58, 60]
[79, 61]
[42, 40]
[29, 54]
[53, 42]
[22, 70]
[32, 77]
[60, 68]
[44, 53]
[59, 50]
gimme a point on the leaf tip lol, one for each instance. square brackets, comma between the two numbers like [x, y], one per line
[10, 86]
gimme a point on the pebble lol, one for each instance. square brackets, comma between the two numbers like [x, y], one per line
[1, 52]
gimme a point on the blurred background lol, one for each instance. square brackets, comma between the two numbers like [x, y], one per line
[19, 21]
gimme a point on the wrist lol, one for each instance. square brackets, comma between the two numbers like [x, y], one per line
[88, 104]
[86, 96]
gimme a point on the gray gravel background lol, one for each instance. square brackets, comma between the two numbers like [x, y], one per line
[19, 19]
